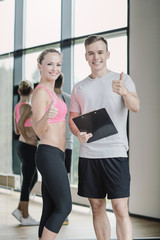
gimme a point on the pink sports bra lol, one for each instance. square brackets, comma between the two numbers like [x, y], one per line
[17, 107]
[59, 104]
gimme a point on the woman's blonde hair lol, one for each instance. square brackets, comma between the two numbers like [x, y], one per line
[45, 52]
[25, 87]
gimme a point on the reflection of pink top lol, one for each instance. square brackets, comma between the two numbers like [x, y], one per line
[57, 103]
[17, 107]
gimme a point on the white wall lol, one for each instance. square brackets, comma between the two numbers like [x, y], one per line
[145, 126]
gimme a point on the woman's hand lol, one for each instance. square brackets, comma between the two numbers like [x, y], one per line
[52, 111]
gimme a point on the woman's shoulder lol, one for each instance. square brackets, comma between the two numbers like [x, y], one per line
[39, 92]
[25, 108]
[20, 105]
[40, 97]
[25, 105]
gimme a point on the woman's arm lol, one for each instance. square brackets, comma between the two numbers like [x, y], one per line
[16, 130]
[39, 120]
[24, 112]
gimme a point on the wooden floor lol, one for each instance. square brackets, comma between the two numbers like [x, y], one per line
[80, 225]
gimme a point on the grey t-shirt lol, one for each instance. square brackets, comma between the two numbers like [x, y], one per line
[92, 94]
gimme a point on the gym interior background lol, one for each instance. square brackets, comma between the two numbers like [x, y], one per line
[132, 30]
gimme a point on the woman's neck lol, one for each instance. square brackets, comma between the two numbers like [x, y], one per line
[24, 99]
[49, 85]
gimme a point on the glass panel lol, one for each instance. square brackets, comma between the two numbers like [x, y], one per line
[80, 63]
[7, 26]
[6, 93]
[30, 69]
[118, 54]
[43, 22]
[31, 72]
[93, 16]
[75, 159]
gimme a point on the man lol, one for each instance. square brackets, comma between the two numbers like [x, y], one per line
[69, 137]
[103, 164]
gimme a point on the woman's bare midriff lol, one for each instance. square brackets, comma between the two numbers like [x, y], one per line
[55, 135]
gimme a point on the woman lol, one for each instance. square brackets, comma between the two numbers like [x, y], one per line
[26, 150]
[48, 121]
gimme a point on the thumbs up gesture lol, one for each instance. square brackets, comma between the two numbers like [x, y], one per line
[52, 111]
[118, 86]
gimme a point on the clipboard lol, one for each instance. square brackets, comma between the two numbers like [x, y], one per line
[97, 122]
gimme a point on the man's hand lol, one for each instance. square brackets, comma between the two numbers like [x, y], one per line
[118, 86]
[83, 136]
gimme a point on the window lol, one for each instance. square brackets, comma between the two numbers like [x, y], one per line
[6, 93]
[98, 16]
[30, 68]
[7, 26]
[43, 22]
[118, 54]
[80, 63]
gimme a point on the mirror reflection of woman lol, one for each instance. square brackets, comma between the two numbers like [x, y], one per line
[26, 150]
[48, 121]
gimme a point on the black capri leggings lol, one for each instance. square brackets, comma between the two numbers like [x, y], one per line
[56, 194]
[26, 154]
[68, 157]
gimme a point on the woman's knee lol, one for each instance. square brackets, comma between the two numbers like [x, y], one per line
[66, 207]
[35, 176]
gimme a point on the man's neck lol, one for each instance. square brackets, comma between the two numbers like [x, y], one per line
[99, 74]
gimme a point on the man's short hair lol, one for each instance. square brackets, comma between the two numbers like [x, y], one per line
[95, 38]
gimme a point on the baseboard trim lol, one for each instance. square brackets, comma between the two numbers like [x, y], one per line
[10, 181]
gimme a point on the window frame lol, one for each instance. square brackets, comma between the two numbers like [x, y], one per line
[66, 43]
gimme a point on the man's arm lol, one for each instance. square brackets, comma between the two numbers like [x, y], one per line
[131, 99]
[82, 136]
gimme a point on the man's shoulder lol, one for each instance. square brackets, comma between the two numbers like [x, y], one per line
[81, 82]
[116, 75]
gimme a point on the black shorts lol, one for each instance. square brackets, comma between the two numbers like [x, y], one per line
[101, 177]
